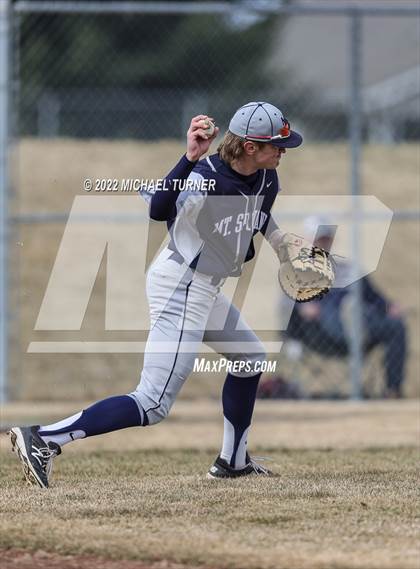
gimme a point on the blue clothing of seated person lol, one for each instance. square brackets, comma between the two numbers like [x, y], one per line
[320, 325]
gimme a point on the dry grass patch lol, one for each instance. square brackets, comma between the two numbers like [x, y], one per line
[342, 509]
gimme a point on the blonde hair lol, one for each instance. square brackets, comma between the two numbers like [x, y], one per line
[232, 147]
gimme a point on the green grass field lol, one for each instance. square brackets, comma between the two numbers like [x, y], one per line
[344, 494]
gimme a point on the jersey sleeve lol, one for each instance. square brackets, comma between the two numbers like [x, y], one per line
[185, 234]
[162, 202]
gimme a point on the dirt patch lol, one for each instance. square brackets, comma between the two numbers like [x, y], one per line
[20, 559]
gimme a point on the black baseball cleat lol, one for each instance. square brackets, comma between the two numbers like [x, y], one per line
[34, 453]
[222, 469]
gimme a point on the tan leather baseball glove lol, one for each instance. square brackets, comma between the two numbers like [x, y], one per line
[306, 272]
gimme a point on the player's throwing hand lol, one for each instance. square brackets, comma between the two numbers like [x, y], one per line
[198, 140]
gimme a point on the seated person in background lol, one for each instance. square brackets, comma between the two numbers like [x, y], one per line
[319, 324]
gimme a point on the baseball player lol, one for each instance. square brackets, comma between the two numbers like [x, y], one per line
[211, 225]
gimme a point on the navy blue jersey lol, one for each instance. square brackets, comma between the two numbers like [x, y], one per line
[212, 223]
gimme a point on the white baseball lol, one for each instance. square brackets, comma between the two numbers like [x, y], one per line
[210, 126]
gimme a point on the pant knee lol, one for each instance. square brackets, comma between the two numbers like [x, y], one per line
[257, 360]
[152, 411]
[248, 365]
[157, 415]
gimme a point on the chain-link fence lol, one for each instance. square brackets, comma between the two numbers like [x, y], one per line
[106, 90]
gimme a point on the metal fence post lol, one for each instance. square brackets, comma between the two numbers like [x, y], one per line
[355, 143]
[4, 187]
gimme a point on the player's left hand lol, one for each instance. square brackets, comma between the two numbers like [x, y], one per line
[198, 141]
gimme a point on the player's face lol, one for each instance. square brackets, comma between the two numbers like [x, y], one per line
[268, 156]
